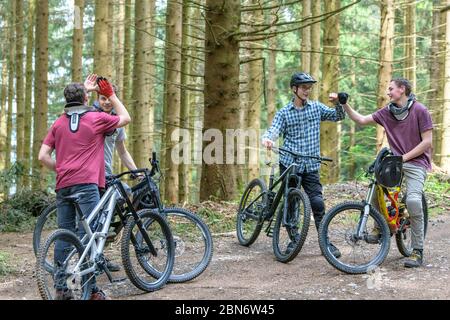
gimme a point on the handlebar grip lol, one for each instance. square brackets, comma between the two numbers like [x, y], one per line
[327, 159]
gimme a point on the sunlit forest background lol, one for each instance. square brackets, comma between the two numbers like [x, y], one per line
[215, 64]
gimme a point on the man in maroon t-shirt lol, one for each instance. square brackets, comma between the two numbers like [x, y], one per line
[408, 127]
[77, 137]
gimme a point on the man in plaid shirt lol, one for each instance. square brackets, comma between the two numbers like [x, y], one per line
[299, 124]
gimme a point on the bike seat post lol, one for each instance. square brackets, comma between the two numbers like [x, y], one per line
[271, 177]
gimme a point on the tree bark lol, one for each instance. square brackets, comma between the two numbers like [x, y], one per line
[271, 80]
[306, 38]
[410, 36]
[143, 70]
[127, 74]
[102, 62]
[20, 94]
[172, 94]
[221, 92]
[445, 158]
[386, 58]
[77, 42]
[183, 173]
[255, 98]
[437, 80]
[11, 69]
[315, 47]
[40, 91]
[330, 131]
[28, 92]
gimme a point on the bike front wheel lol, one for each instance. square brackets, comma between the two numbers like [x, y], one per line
[359, 254]
[289, 233]
[147, 270]
[250, 219]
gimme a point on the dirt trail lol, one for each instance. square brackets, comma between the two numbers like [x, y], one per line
[238, 272]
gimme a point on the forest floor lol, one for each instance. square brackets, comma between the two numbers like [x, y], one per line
[238, 272]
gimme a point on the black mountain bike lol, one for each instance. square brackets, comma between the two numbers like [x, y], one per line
[259, 204]
[192, 237]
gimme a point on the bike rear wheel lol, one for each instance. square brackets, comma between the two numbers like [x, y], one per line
[193, 244]
[249, 220]
[62, 276]
[45, 224]
[288, 239]
[339, 227]
[145, 270]
[403, 237]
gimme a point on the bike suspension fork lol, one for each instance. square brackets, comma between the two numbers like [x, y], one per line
[365, 215]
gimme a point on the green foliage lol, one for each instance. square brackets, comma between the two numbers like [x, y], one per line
[5, 267]
[437, 193]
[19, 212]
[217, 222]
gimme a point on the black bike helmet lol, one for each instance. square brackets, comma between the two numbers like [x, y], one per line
[388, 169]
[301, 78]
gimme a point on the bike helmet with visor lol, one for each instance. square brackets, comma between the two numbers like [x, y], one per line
[299, 78]
[388, 169]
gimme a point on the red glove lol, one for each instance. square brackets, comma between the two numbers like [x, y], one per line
[105, 88]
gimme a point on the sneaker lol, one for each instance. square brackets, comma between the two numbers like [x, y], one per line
[415, 259]
[334, 251]
[99, 295]
[64, 294]
[374, 237]
[113, 267]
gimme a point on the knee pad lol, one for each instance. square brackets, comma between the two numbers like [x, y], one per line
[414, 204]
[317, 205]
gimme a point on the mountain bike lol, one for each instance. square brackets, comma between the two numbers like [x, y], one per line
[350, 226]
[192, 237]
[147, 247]
[259, 204]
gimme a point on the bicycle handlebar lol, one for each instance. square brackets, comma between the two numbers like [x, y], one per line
[298, 155]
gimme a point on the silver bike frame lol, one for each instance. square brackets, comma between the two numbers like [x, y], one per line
[97, 239]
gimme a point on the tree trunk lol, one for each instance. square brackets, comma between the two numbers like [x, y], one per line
[410, 36]
[28, 92]
[221, 94]
[437, 79]
[3, 108]
[127, 74]
[172, 95]
[41, 89]
[306, 38]
[445, 158]
[315, 47]
[330, 131]
[386, 58]
[77, 42]
[255, 98]
[142, 89]
[102, 62]
[271, 81]
[20, 93]
[11, 69]
[183, 173]
[196, 104]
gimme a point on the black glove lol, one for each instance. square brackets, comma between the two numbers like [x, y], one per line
[343, 97]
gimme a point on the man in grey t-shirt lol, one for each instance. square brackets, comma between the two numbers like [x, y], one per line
[408, 127]
[114, 141]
